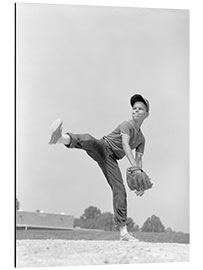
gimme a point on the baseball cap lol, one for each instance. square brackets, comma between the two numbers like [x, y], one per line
[138, 97]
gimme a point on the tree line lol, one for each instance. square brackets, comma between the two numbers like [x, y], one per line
[93, 218]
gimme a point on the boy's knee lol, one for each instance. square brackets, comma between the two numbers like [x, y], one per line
[120, 192]
[80, 140]
[88, 137]
[88, 141]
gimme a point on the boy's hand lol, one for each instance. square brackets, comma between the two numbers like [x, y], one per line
[138, 180]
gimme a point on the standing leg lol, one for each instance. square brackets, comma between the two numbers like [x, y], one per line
[113, 175]
[114, 178]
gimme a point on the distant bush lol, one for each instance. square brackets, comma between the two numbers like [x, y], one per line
[91, 212]
[93, 218]
[169, 230]
[153, 224]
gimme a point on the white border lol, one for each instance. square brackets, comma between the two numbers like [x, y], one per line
[7, 129]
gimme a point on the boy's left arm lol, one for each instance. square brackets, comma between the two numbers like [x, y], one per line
[137, 179]
[134, 160]
[138, 158]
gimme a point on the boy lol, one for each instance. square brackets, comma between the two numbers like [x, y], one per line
[107, 150]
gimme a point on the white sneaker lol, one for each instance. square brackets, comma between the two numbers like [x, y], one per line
[56, 131]
[128, 237]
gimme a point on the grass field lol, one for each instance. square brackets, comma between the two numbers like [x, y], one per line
[172, 237]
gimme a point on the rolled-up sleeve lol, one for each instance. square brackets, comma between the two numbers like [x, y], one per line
[124, 128]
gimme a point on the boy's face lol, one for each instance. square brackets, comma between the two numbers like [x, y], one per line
[139, 111]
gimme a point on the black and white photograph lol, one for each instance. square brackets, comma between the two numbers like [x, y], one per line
[102, 135]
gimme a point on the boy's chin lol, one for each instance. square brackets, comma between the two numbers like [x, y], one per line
[136, 118]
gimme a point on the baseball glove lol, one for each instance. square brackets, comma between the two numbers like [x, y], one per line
[138, 180]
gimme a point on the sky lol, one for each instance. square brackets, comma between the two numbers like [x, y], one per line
[83, 64]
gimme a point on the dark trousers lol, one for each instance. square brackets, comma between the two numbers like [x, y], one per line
[100, 151]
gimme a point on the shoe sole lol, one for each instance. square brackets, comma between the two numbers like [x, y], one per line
[132, 240]
[56, 125]
[126, 239]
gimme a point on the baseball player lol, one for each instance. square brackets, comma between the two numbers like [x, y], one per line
[108, 150]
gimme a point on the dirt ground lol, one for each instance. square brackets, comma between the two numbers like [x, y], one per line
[39, 253]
